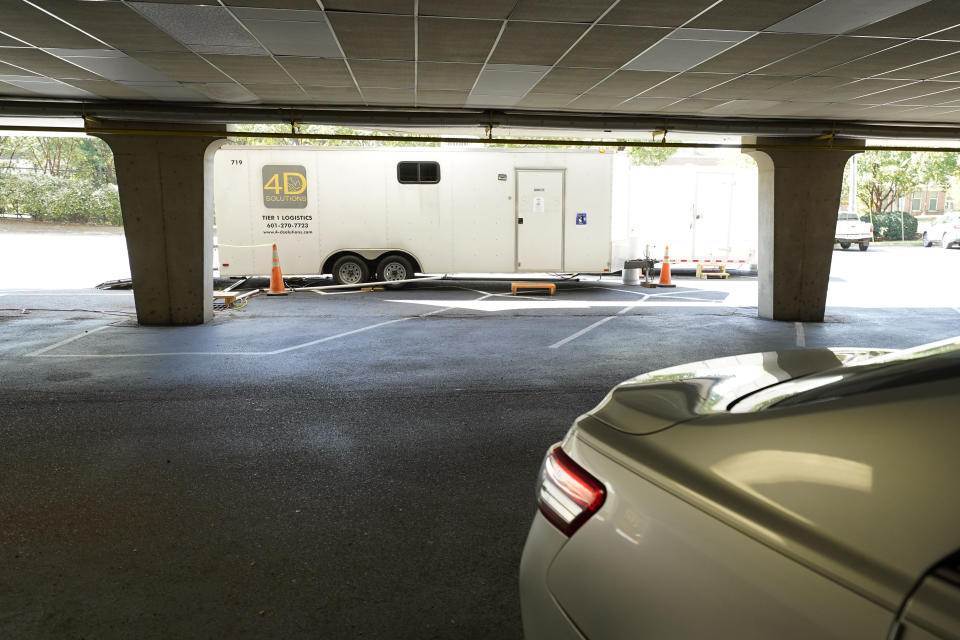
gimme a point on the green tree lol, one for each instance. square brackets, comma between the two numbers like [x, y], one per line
[885, 176]
[58, 179]
[57, 156]
[653, 156]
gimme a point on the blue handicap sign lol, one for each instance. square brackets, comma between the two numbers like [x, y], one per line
[581, 218]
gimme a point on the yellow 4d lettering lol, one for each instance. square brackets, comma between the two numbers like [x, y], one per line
[273, 183]
[284, 186]
[293, 183]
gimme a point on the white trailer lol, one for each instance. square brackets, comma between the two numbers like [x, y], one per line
[706, 214]
[388, 213]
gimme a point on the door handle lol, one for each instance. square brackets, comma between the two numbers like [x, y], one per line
[519, 220]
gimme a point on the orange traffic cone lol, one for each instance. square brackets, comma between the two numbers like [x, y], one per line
[665, 269]
[276, 278]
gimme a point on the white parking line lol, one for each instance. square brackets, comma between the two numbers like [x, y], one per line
[328, 338]
[801, 337]
[557, 345]
[644, 294]
[67, 341]
[679, 293]
[42, 353]
[336, 293]
[576, 335]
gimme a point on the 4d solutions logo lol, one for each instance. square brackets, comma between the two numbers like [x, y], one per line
[284, 186]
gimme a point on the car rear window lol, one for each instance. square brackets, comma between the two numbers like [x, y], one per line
[848, 216]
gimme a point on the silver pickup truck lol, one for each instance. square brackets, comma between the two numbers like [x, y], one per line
[851, 230]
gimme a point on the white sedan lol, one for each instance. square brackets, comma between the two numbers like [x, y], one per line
[946, 231]
[794, 494]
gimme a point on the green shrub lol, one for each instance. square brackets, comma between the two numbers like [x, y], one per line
[11, 194]
[886, 226]
[59, 199]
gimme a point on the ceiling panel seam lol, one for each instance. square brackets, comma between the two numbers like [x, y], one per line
[416, 52]
[764, 66]
[914, 64]
[493, 47]
[858, 59]
[72, 26]
[42, 76]
[747, 73]
[36, 75]
[572, 46]
[269, 53]
[821, 71]
[126, 3]
[877, 75]
[343, 53]
[62, 59]
[614, 72]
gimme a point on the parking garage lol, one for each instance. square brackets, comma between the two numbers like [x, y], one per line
[344, 462]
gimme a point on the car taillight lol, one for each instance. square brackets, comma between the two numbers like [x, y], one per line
[871, 228]
[568, 495]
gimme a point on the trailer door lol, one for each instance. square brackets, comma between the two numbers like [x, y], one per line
[711, 215]
[539, 220]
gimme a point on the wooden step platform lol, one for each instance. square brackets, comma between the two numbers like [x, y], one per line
[722, 273]
[228, 297]
[531, 287]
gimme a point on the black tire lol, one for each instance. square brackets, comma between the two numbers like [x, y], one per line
[844, 245]
[944, 244]
[926, 241]
[394, 267]
[864, 245]
[350, 270]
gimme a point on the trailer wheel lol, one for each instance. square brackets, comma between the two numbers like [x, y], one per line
[394, 268]
[350, 270]
[844, 245]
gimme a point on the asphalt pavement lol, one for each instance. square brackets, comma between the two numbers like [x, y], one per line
[333, 466]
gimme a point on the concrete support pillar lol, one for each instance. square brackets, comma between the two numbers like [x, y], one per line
[798, 200]
[166, 197]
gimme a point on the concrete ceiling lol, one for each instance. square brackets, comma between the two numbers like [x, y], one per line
[864, 60]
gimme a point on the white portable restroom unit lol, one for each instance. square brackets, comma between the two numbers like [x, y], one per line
[390, 212]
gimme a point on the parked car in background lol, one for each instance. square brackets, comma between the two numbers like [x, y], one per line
[851, 230]
[945, 232]
[793, 494]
